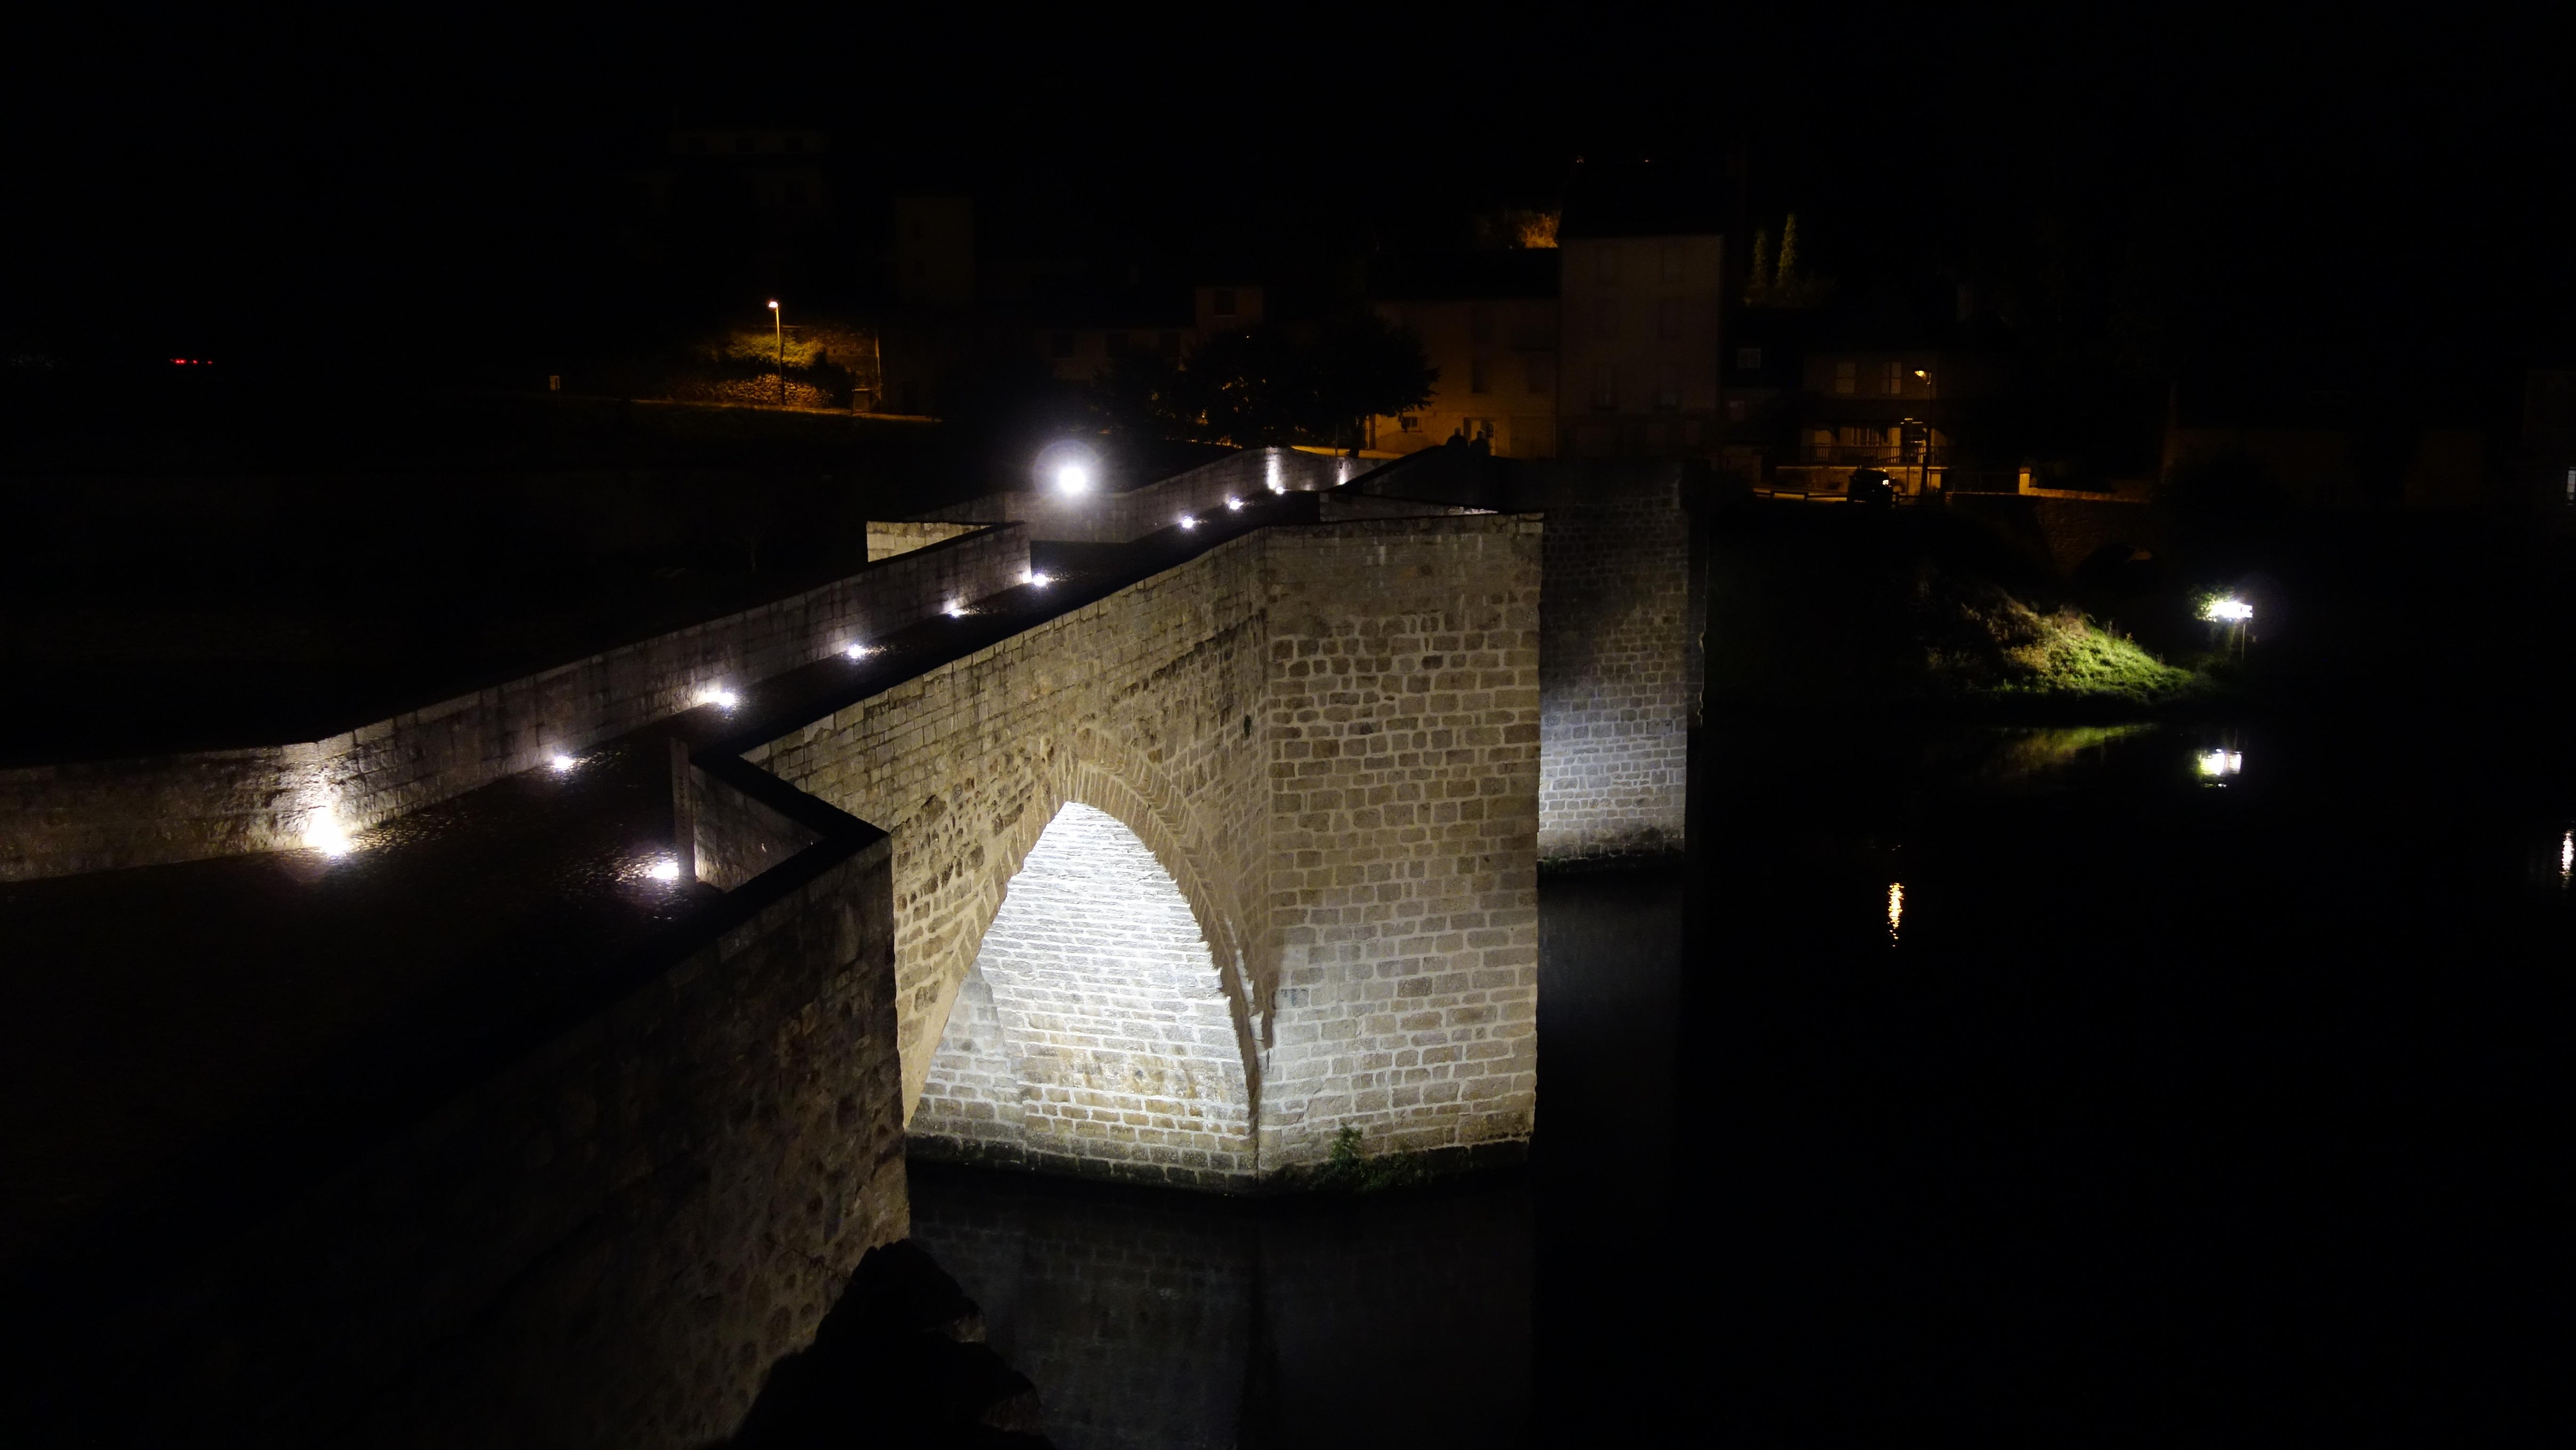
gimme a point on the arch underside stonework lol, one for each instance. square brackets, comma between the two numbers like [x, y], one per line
[1327, 740]
[1095, 1031]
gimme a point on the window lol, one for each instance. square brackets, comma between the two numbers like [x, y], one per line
[1222, 302]
[1542, 374]
[1605, 319]
[1407, 423]
[1061, 345]
[1476, 380]
[1735, 410]
[1480, 324]
[1169, 343]
[1846, 378]
[1605, 386]
[1748, 359]
[2571, 486]
[1605, 265]
[1895, 379]
[1668, 318]
[1672, 271]
[1668, 387]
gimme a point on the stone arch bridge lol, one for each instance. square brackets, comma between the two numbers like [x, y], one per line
[1166, 848]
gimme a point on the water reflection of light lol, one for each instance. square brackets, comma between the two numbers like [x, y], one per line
[2217, 765]
[1895, 909]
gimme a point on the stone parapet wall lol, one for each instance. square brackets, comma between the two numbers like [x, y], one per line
[59, 819]
[1116, 518]
[887, 539]
[605, 1243]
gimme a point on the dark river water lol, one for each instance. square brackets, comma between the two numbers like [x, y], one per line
[2083, 1086]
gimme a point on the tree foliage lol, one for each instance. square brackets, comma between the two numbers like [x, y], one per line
[1269, 386]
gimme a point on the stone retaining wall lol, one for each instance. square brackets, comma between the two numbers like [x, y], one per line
[605, 1243]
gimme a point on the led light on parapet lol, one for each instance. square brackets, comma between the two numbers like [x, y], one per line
[665, 869]
[1189, 521]
[562, 763]
[954, 609]
[324, 833]
[857, 651]
[719, 696]
[1039, 580]
[1233, 505]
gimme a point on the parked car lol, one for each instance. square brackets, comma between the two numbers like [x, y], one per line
[1871, 486]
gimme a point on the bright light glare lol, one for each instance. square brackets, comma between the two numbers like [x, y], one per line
[563, 762]
[773, 307]
[2567, 855]
[1233, 504]
[856, 651]
[719, 696]
[1073, 478]
[2233, 611]
[325, 834]
[1189, 522]
[1895, 908]
[956, 609]
[1038, 579]
[665, 869]
[2217, 763]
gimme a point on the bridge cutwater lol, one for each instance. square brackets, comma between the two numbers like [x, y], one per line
[537, 1064]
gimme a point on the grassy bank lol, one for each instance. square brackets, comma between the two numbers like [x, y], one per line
[1846, 608]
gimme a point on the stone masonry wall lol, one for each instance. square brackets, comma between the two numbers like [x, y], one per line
[60, 819]
[1139, 705]
[1351, 821]
[605, 1244]
[1116, 1043]
[1614, 669]
[1115, 518]
[1403, 714]
[887, 539]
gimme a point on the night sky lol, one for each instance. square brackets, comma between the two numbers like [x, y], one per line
[2374, 200]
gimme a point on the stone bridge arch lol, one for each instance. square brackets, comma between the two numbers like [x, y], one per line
[1091, 941]
[1096, 1031]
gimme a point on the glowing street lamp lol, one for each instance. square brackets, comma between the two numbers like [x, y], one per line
[2228, 611]
[778, 325]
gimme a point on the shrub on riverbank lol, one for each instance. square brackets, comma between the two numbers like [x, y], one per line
[1839, 610]
[1979, 640]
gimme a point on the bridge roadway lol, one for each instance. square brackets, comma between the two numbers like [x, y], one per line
[484, 1129]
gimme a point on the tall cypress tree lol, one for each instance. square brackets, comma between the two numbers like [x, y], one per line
[1786, 279]
[1758, 286]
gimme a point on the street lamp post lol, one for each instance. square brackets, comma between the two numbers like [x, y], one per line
[778, 324]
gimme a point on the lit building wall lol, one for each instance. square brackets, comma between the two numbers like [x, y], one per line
[1639, 376]
[1497, 360]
